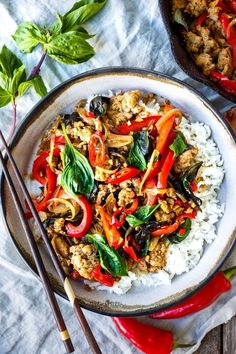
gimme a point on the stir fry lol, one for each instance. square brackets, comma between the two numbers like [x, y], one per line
[208, 28]
[118, 180]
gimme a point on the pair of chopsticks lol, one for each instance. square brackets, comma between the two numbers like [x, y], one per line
[65, 337]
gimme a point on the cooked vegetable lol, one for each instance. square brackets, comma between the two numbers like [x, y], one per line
[187, 178]
[165, 230]
[166, 168]
[182, 233]
[97, 151]
[179, 145]
[110, 259]
[227, 84]
[77, 177]
[98, 105]
[51, 183]
[137, 124]
[179, 18]
[139, 150]
[101, 277]
[141, 216]
[70, 118]
[123, 175]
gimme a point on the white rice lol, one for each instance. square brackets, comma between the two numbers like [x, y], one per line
[184, 256]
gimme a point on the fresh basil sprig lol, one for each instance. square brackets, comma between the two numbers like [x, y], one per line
[65, 41]
[13, 81]
[142, 215]
[110, 259]
[179, 145]
[138, 150]
[77, 176]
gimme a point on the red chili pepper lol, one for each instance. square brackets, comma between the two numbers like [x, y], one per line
[182, 231]
[90, 115]
[151, 199]
[227, 84]
[39, 166]
[164, 230]
[130, 251]
[59, 140]
[149, 339]
[105, 279]
[222, 5]
[75, 275]
[84, 226]
[230, 34]
[97, 150]
[229, 5]
[123, 175]
[137, 124]
[187, 215]
[132, 208]
[193, 186]
[114, 221]
[51, 186]
[113, 236]
[201, 19]
[203, 298]
[166, 168]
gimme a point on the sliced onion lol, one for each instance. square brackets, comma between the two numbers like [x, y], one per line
[109, 172]
[57, 209]
[117, 141]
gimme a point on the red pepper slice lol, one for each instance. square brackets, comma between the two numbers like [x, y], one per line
[132, 208]
[230, 35]
[151, 199]
[97, 150]
[114, 221]
[193, 186]
[59, 140]
[166, 168]
[227, 84]
[130, 251]
[39, 167]
[187, 215]
[136, 125]
[122, 175]
[90, 115]
[51, 186]
[149, 339]
[229, 5]
[81, 230]
[181, 231]
[105, 279]
[164, 230]
[201, 19]
[113, 236]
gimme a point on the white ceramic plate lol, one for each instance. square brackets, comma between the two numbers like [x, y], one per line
[137, 301]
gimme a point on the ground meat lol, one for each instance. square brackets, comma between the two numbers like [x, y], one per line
[210, 45]
[104, 190]
[196, 7]
[161, 216]
[79, 130]
[130, 102]
[84, 259]
[61, 248]
[193, 42]
[58, 225]
[125, 197]
[156, 257]
[225, 62]
[204, 61]
[179, 4]
[184, 160]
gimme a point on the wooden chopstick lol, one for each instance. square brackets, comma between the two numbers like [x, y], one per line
[64, 279]
[64, 335]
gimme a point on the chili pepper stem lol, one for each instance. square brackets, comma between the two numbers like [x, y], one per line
[178, 345]
[229, 273]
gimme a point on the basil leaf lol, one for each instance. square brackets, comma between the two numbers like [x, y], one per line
[133, 221]
[9, 61]
[77, 176]
[5, 82]
[28, 36]
[179, 145]
[18, 77]
[176, 237]
[5, 97]
[81, 12]
[36, 82]
[179, 18]
[110, 259]
[69, 48]
[138, 150]
[144, 212]
[141, 216]
[98, 105]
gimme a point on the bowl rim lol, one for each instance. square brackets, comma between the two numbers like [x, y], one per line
[202, 78]
[26, 121]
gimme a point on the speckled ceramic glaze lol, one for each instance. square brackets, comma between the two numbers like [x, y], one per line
[137, 301]
[181, 55]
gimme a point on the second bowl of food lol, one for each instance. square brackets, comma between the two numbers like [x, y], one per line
[133, 174]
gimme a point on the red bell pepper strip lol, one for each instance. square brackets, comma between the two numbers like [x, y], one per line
[227, 84]
[164, 230]
[149, 339]
[164, 133]
[222, 5]
[114, 221]
[81, 230]
[59, 140]
[151, 199]
[105, 279]
[230, 33]
[122, 175]
[203, 298]
[51, 186]
[113, 236]
[228, 5]
[130, 251]
[187, 215]
[132, 208]
[201, 19]
[166, 168]
[97, 150]
[137, 124]
[39, 168]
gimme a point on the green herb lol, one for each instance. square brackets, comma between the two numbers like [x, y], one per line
[179, 18]
[65, 41]
[77, 176]
[141, 216]
[138, 150]
[98, 105]
[110, 259]
[189, 176]
[179, 145]
[176, 237]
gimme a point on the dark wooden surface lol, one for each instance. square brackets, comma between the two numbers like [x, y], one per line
[221, 340]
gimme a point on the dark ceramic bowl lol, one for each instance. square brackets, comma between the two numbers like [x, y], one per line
[181, 55]
[140, 300]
